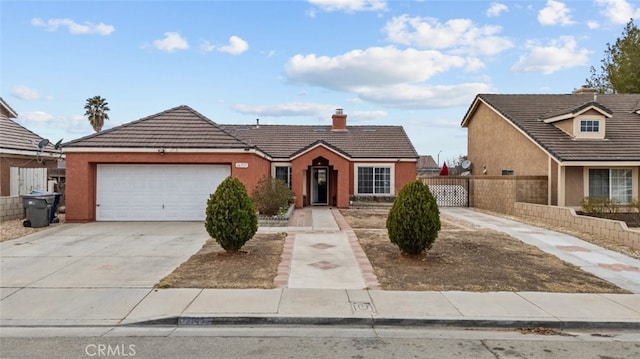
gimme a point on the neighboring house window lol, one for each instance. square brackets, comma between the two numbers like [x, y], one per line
[614, 183]
[374, 180]
[284, 173]
[589, 126]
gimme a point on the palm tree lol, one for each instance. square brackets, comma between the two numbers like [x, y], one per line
[96, 111]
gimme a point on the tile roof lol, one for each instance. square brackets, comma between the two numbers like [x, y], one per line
[183, 127]
[622, 137]
[14, 137]
[179, 127]
[285, 141]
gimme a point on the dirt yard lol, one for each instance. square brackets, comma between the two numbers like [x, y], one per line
[255, 266]
[468, 258]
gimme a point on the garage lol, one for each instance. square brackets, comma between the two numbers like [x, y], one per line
[156, 192]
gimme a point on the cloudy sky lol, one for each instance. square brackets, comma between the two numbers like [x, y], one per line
[414, 63]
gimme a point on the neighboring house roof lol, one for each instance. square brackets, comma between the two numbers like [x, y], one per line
[183, 127]
[6, 110]
[179, 127]
[286, 141]
[528, 112]
[427, 162]
[16, 139]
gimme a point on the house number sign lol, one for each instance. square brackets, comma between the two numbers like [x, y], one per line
[242, 165]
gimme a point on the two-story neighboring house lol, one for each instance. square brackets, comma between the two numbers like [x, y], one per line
[587, 144]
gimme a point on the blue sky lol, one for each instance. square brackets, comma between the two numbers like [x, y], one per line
[417, 64]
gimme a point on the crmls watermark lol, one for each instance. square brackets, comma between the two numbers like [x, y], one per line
[110, 350]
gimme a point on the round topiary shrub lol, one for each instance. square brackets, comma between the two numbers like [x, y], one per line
[271, 195]
[231, 216]
[414, 219]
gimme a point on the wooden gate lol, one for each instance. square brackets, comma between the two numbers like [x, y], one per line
[25, 180]
[449, 191]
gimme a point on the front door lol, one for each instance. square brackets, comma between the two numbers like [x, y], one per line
[320, 185]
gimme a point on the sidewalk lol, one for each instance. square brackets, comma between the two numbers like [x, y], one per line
[353, 305]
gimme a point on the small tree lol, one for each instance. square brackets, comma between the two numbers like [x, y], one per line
[414, 219]
[96, 109]
[231, 216]
[271, 195]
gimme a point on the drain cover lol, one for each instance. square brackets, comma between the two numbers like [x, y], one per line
[362, 307]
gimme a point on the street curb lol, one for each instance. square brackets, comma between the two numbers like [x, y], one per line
[386, 322]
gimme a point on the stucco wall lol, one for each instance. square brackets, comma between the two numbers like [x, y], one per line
[81, 173]
[615, 231]
[339, 164]
[574, 191]
[494, 142]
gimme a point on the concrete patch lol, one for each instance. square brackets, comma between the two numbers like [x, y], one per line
[569, 307]
[235, 301]
[22, 271]
[315, 302]
[495, 305]
[163, 303]
[393, 304]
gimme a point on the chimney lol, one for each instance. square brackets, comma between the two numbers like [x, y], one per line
[339, 121]
[585, 90]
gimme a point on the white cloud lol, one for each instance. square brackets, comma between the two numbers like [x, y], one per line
[172, 41]
[236, 46]
[593, 24]
[417, 96]
[74, 27]
[562, 53]
[35, 117]
[457, 35]
[376, 66]
[619, 11]
[287, 109]
[25, 93]
[349, 6]
[555, 13]
[496, 9]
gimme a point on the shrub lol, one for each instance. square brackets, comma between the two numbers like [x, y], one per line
[271, 195]
[231, 216]
[414, 219]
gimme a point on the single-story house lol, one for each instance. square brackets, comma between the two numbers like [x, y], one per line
[587, 144]
[427, 166]
[19, 149]
[163, 167]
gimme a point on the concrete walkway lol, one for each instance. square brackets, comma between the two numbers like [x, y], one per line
[24, 304]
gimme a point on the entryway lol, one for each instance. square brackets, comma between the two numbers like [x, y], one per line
[319, 186]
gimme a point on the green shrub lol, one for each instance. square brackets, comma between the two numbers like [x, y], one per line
[271, 195]
[602, 206]
[231, 216]
[414, 219]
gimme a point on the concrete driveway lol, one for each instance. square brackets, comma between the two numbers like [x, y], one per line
[99, 254]
[85, 271]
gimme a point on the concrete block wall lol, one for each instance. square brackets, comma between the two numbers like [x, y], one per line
[496, 194]
[11, 208]
[615, 231]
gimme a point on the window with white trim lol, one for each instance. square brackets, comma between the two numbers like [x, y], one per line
[589, 126]
[283, 173]
[374, 180]
[612, 183]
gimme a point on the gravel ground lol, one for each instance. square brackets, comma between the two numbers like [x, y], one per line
[14, 229]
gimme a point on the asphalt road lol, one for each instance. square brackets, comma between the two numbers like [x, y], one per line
[326, 342]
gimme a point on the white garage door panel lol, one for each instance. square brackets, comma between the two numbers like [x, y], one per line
[156, 192]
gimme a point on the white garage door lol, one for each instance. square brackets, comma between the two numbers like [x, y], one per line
[156, 192]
